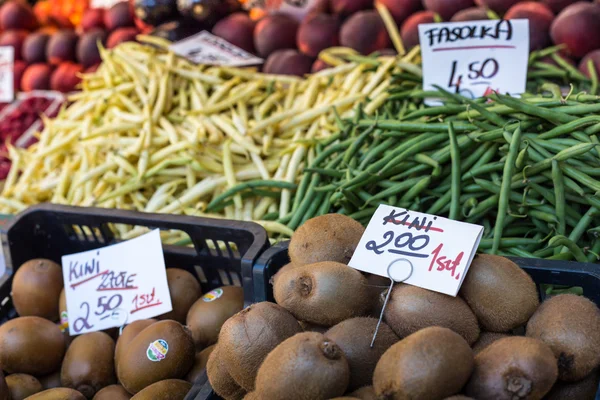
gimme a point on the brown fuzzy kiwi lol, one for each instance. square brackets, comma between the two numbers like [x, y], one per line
[365, 393]
[412, 308]
[50, 381]
[345, 398]
[36, 288]
[459, 397]
[208, 314]
[185, 290]
[247, 338]
[58, 394]
[22, 386]
[354, 337]
[113, 392]
[127, 335]
[485, 339]
[220, 380]
[324, 293]
[307, 366]
[570, 325]
[515, 367]
[4, 392]
[281, 270]
[308, 327]
[252, 396]
[329, 237]
[432, 363]
[168, 389]
[501, 294]
[581, 390]
[199, 364]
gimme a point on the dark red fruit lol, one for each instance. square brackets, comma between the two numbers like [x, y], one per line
[288, 62]
[540, 18]
[578, 27]
[34, 48]
[499, 6]
[92, 18]
[365, 33]
[558, 5]
[319, 65]
[345, 8]
[62, 47]
[121, 35]
[18, 70]
[237, 29]
[318, 32]
[14, 39]
[36, 77]
[594, 57]
[88, 53]
[410, 31]
[118, 16]
[401, 9]
[66, 77]
[471, 14]
[447, 8]
[275, 32]
[17, 15]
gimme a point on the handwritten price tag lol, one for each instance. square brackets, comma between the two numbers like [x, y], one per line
[206, 48]
[476, 57]
[440, 250]
[7, 57]
[117, 284]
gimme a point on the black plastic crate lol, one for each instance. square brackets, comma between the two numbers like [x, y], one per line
[543, 272]
[223, 251]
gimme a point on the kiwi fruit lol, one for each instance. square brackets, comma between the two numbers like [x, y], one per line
[354, 337]
[4, 392]
[345, 398]
[501, 294]
[584, 389]
[459, 397]
[89, 363]
[324, 293]
[329, 237]
[31, 345]
[36, 288]
[169, 389]
[308, 327]
[252, 396]
[50, 381]
[199, 364]
[164, 350]
[22, 386]
[412, 308]
[251, 334]
[220, 380]
[127, 335]
[570, 325]
[58, 394]
[485, 339]
[364, 393]
[208, 314]
[511, 368]
[112, 392]
[185, 290]
[432, 363]
[307, 366]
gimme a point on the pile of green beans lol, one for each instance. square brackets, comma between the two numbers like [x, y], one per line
[527, 170]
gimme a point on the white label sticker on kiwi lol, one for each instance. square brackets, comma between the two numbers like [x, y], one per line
[206, 48]
[416, 248]
[212, 295]
[157, 350]
[475, 58]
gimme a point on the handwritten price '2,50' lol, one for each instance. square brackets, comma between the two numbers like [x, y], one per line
[104, 309]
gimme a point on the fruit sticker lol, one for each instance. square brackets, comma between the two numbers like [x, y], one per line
[157, 350]
[212, 295]
[64, 321]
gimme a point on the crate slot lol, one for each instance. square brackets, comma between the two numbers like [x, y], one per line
[89, 235]
[234, 249]
[4, 301]
[224, 246]
[200, 272]
[78, 233]
[212, 247]
[224, 277]
[235, 279]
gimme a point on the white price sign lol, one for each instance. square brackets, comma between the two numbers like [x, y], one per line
[117, 284]
[7, 89]
[433, 252]
[206, 48]
[475, 58]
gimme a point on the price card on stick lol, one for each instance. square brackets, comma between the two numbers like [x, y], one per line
[117, 284]
[436, 251]
[473, 58]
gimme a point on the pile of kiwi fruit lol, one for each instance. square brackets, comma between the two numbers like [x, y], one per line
[494, 340]
[40, 361]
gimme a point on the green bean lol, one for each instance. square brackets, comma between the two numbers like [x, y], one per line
[416, 189]
[490, 116]
[249, 185]
[582, 225]
[565, 64]
[327, 172]
[595, 250]
[312, 209]
[439, 204]
[569, 127]
[396, 126]
[582, 178]
[559, 195]
[488, 244]
[395, 189]
[455, 188]
[549, 115]
[560, 240]
[593, 75]
[356, 144]
[503, 199]
[376, 151]
[425, 159]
